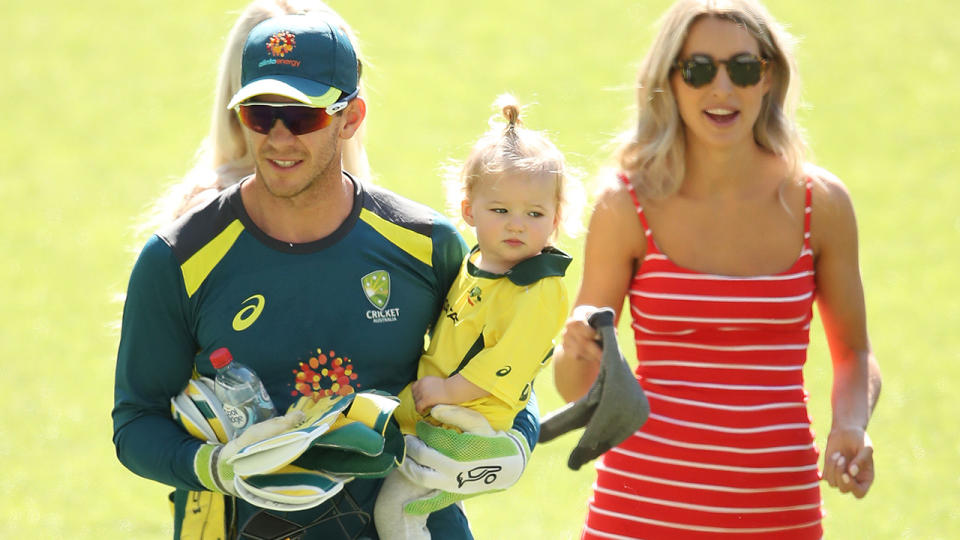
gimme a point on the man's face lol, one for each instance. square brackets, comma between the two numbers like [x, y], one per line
[290, 165]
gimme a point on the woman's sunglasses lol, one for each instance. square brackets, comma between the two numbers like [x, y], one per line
[744, 69]
[299, 119]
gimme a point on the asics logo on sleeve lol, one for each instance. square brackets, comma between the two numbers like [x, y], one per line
[248, 315]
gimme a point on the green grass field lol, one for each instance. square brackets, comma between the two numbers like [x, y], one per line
[104, 103]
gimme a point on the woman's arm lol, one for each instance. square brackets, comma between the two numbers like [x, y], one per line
[848, 457]
[614, 244]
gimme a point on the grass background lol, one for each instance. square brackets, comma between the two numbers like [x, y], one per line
[103, 104]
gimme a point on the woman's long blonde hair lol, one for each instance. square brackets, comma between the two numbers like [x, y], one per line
[652, 152]
[223, 158]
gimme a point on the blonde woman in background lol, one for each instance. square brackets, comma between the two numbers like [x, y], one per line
[223, 158]
[721, 236]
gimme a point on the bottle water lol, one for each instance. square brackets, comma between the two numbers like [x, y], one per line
[245, 400]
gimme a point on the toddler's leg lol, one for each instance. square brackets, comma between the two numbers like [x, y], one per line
[392, 522]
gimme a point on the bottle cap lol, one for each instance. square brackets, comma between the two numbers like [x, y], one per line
[221, 357]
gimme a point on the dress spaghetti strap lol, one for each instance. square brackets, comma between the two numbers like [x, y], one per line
[807, 210]
[651, 245]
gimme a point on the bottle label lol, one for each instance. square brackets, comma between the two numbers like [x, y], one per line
[264, 396]
[236, 415]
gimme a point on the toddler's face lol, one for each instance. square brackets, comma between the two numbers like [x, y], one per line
[514, 215]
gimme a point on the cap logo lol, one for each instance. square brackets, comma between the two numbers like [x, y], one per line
[304, 57]
[281, 43]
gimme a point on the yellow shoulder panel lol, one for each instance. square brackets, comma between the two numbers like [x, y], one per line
[414, 243]
[198, 267]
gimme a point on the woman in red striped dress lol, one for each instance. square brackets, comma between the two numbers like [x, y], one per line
[721, 237]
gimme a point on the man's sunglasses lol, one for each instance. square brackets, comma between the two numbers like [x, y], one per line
[744, 69]
[299, 119]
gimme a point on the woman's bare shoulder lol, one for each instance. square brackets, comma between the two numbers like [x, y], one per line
[614, 198]
[830, 194]
[833, 225]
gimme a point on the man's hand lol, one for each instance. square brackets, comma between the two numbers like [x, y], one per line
[460, 465]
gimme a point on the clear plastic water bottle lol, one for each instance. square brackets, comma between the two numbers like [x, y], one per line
[245, 400]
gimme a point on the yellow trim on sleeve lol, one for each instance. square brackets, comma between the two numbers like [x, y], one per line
[198, 267]
[415, 244]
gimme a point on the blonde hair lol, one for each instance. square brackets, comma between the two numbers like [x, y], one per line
[652, 152]
[512, 148]
[223, 158]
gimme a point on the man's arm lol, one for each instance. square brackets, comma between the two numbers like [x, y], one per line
[154, 362]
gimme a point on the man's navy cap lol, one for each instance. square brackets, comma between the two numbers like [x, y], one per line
[304, 57]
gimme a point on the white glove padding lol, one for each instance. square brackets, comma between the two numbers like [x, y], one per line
[288, 489]
[199, 411]
[392, 522]
[370, 410]
[267, 454]
[467, 420]
[479, 460]
[212, 460]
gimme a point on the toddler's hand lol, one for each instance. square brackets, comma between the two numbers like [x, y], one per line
[427, 392]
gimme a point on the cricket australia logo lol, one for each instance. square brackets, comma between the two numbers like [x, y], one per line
[474, 295]
[376, 287]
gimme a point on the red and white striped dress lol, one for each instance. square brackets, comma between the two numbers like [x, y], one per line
[728, 450]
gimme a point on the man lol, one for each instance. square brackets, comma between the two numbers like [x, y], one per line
[298, 267]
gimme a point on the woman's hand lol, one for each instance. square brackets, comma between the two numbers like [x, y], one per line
[848, 461]
[578, 355]
[579, 339]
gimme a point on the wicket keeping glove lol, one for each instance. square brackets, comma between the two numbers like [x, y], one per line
[347, 437]
[461, 465]
[272, 452]
[288, 489]
[212, 461]
[200, 412]
[362, 443]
